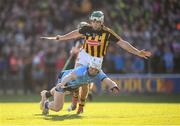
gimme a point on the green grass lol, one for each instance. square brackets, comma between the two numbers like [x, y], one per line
[104, 110]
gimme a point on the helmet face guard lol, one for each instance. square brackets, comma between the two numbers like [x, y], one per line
[97, 16]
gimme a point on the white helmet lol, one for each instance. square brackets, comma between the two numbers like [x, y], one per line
[97, 15]
[95, 63]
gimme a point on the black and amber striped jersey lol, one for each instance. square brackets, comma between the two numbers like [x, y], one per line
[96, 42]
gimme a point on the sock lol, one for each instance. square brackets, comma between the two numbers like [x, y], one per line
[74, 100]
[81, 105]
[47, 105]
[82, 102]
[75, 97]
[48, 94]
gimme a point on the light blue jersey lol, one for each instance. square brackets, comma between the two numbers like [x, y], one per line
[83, 77]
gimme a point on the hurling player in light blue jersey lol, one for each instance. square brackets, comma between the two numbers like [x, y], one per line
[70, 80]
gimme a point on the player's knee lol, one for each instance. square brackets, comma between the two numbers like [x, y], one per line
[57, 108]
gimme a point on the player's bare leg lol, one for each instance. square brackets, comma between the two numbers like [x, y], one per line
[58, 102]
[55, 105]
[45, 95]
[83, 95]
[73, 105]
[43, 98]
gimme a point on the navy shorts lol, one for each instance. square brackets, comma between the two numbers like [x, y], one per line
[62, 90]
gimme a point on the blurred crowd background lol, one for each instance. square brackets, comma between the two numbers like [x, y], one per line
[27, 60]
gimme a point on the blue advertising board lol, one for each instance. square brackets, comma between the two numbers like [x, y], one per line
[159, 83]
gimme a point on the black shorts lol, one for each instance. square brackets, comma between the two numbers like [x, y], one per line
[67, 88]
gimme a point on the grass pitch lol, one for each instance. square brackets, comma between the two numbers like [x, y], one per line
[104, 110]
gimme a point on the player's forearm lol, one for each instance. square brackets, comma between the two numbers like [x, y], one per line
[71, 35]
[112, 84]
[109, 83]
[128, 47]
[66, 79]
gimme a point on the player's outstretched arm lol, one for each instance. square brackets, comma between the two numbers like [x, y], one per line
[127, 46]
[111, 84]
[71, 35]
